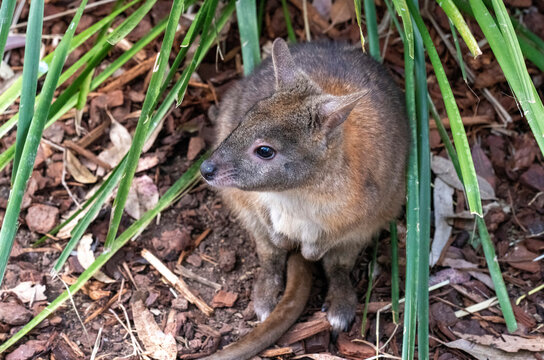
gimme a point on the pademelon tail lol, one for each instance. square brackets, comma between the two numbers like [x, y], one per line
[285, 314]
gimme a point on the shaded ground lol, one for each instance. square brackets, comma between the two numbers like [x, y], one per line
[505, 155]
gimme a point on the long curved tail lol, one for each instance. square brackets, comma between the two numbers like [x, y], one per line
[285, 314]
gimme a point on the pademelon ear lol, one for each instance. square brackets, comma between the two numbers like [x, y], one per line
[285, 71]
[334, 110]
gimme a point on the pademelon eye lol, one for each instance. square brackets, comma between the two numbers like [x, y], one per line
[265, 152]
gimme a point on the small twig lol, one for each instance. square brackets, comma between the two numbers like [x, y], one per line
[86, 154]
[96, 343]
[178, 283]
[191, 275]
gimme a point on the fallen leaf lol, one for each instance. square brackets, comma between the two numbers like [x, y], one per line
[342, 11]
[27, 291]
[505, 342]
[224, 299]
[121, 141]
[85, 256]
[143, 196]
[157, 344]
[41, 218]
[443, 209]
[79, 172]
[196, 144]
[521, 258]
[444, 169]
[481, 352]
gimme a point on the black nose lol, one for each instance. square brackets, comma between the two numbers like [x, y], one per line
[208, 169]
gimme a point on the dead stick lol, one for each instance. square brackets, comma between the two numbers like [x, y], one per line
[191, 275]
[87, 154]
[176, 282]
[94, 134]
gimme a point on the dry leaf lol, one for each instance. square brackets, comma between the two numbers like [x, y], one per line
[508, 343]
[142, 196]
[77, 170]
[443, 209]
[85, 257]
[481, 352]
[157, 344]
[27, 292]
[444, 169]
[323, 7]
[121, 140]
[342, 11]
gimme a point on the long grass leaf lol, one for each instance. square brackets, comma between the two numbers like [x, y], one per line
[357, 5]
[290, 32]
[394, 271]
[133, 21]
[457, 19]
[372, 29]
[30, 78]
[9, 225]
[12, 93]
[246, 13]
[459, 135]
[402, 10]
[143, 122]
[412, 213]
[517, 79]
[424, 177]
[458, 51]
[6, 14]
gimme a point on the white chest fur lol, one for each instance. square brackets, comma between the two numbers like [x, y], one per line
[294, 216]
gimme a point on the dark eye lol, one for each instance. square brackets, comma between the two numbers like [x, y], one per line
[265, 152]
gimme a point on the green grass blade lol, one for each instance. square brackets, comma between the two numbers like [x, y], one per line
[457, 19]
[357, 5]
[138, 140]
[64, 103]
[6, 15]
[394, 271]
[12, 93]
[290, 32]
[180, 187]
[246, 13]
[369, 287]
[445, 138]
[107, 187]
[533, 111]
[402, 10]
[132, 21]
[531, 53]
[208, 17]
[458, 50]
[9, 225]
[512, 46]
[458, 131]
[372, 29]
[33, 43]
[260, 16]
[412, 213]
[424, 175]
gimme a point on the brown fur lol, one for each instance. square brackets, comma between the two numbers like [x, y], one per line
[337, 123]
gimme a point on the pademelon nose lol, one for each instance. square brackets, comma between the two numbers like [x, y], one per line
[208, 169]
